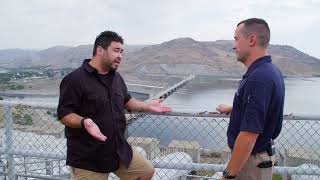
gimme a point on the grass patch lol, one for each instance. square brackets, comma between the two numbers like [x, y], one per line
[20, 117]
[1, 114]
[276, 177]
[205, 173]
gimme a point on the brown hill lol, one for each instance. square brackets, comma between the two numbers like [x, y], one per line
[178, 56]
[186, 55]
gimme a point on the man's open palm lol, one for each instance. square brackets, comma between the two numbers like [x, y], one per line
[94, 130]
[155, 106]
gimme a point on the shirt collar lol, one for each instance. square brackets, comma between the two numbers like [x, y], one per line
[87, 66]
[91, 69]
[256, 64]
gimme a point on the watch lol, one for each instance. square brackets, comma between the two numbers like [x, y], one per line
[227, 175]
[82, 122]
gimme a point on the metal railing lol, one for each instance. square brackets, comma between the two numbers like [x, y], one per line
[177, 143]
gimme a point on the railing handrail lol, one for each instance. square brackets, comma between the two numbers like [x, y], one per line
[10, 152]
[181, 166]
[184, 166]
[175, 112]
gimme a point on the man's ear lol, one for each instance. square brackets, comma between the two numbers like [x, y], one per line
[100, 50]
[252, 40]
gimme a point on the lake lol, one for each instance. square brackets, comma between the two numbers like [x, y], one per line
[206, 94]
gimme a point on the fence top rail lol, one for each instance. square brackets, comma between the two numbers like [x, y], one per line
[29, 104]
[175, 112]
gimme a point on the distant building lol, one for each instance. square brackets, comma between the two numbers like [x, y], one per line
[190, 147]
[150, 145]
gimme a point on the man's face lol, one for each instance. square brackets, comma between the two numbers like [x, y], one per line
[241, 44]
[112, 56]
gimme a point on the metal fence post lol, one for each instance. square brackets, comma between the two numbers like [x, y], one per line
[9, 141]
[25, 166]
[59, 167]
[48, 166]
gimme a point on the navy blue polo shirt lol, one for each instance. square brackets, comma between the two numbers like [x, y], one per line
[258, 104]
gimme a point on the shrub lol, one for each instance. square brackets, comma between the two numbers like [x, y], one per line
[276, 177]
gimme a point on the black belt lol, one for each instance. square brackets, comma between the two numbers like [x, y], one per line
[270, 149]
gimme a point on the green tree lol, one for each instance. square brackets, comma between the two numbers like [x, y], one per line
[20, 87]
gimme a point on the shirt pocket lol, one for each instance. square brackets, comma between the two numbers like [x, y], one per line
[119, 106]
[91, 104]
[119, 102]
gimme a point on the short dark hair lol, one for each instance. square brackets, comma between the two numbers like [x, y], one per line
[259, 27]
[104, 39]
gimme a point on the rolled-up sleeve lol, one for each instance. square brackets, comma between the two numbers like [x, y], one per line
[256, 99]
[70, 96]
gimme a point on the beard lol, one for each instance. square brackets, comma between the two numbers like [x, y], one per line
[114, 66]
[111, 65]
[241, 56]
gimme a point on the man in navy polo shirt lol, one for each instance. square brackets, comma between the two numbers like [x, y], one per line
[257, 111]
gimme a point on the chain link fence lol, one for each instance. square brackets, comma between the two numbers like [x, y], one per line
[181, 145]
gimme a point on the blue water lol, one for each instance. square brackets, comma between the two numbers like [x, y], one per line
[301, 95]
[206, 94]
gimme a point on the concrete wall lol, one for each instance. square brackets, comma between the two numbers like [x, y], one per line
[150, 145]
[190, 147]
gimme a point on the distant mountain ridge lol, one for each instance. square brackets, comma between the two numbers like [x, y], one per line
[178, 56]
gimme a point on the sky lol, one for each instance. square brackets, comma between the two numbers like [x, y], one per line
[40, 24]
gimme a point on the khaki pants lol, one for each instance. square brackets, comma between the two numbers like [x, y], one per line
[250, 171]
[138, 167]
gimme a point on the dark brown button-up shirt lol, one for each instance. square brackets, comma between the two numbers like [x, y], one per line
[101, 98]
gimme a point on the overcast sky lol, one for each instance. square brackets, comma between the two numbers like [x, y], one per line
[45, 23]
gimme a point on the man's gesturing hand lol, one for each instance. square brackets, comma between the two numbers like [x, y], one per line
[155, 106]
[93, 130]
